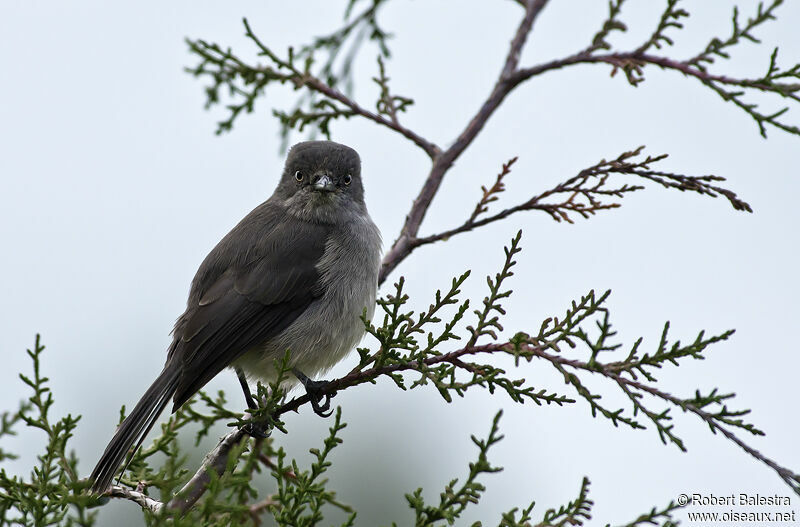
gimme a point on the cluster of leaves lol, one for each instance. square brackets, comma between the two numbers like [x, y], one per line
[298, 501]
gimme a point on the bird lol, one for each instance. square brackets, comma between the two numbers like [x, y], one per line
[297, 273]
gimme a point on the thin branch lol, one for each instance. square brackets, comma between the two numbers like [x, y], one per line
[140, 498]
[217, 459]
[586, 193]
[259, 507]
[305, 78]
[631, 63]
[633, 58]
[404, 244]
[214, 462]
[248, 82]
[790, 477]
[317, 85]
[490, 194]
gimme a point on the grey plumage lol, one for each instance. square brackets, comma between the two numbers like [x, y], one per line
[296, 273]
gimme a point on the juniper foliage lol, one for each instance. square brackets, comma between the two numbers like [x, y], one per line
[454, 346]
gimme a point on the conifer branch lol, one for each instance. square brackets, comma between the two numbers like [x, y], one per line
[589, 192]
[573, 513]
[455, 498]
[247, 82]
[400, 351]
[418, 349]
[656, 516]
[139, 498]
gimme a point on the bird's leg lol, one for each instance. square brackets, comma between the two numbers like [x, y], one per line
[254, 430]
[314, 389]
[248, 397]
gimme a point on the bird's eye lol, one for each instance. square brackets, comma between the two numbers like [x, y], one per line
[298, 176]
[347, 179]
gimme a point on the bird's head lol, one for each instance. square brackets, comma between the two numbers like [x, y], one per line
[321, 182]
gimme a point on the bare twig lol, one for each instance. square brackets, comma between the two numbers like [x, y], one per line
[140, 498]
[490, 194]
[317, 85]
[257, 508]
[630, 59]
[404, 244]
[214, 462]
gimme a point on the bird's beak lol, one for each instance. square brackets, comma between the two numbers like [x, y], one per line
[324, 183]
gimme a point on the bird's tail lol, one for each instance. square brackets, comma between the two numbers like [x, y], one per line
[135, 427]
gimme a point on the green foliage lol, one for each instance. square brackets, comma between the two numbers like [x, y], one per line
[299, 500]
[448, 346]
[451, 373]
[656, 516]
[670, 18]
[574, 512]
[782, 82]
[45, 497]
[323, 89]
[456, 498]
[718, 47]
[419, 345]
[315, 108]
[8, 421]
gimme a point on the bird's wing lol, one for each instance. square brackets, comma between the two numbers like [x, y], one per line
[249, 302]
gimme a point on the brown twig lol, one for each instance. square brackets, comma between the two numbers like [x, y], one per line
[217, 459]
[300, 78]
[405, 242]
[490, 194]
[586, 199]
[317, 85]
[257, 508]
[638, 59]
[631, 62]
[576, 188]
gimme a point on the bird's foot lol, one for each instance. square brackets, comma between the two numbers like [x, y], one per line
[320, 402]
[257, 430]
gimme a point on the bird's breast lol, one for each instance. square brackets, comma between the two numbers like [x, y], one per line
[331, 326]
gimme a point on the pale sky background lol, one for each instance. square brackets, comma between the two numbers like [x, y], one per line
[113, 187]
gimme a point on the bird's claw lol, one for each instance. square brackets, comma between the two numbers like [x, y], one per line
[257, 430]
[324, 409]
[320, 402]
